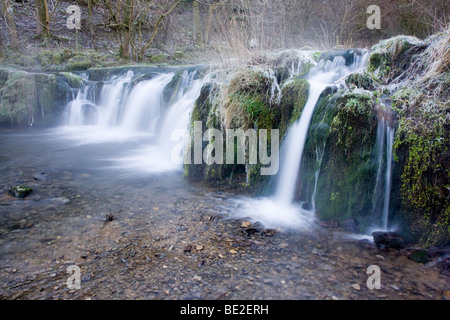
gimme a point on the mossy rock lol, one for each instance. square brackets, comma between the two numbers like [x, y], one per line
[73, 80]
[20, 191]
[348, 171]
[361, 80]
[23, 60]
[420, 256]
[294, 96]
[387, 56]
[79, 63]
[45, 59]
[291, 63]
[18, 97]
[67, 54]
[28, 98]
[179, 55]
[158, 58]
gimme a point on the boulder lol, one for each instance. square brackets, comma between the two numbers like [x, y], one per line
[20, 191]
[350, 225]
[388, 240]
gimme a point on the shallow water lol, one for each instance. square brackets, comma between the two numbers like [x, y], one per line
[171, 237]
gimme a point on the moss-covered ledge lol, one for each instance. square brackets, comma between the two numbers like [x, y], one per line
[34, 98]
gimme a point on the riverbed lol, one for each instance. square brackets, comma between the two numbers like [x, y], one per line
[154, 234]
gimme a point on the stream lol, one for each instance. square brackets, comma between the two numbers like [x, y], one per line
[167, 237]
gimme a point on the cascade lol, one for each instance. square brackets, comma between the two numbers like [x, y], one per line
[125, 109]
[321, 76]
[280, 210]
[384, 152]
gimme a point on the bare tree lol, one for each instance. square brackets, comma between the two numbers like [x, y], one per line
[5, 11]
[43, 17]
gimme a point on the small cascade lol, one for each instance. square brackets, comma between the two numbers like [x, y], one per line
[319, 156]
[121, 104]
[144, 104]
[321, 76]
[280, 210]
[384, 158]
[387, 192]
[134, 107]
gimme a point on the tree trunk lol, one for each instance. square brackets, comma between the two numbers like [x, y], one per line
[197, 22]
[126, 29]
[11, 25]
[1, 46]
[91, 24]
[42, 19]
[211, 10]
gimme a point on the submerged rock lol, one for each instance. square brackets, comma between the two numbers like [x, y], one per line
[41, 176]
[388, 240]
[350, 225]
[20, 191]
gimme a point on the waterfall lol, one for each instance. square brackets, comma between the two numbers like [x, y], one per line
[321, 76]
[121, 104]
[280, 210]
[387, 192]
[134, 107]
[320, 151]
[295, 143]
[384, 154]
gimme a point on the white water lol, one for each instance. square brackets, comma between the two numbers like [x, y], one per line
[280, 211]
[387, 192]
[382, 192]
[158, 157]
[325, 74]
[127, 112]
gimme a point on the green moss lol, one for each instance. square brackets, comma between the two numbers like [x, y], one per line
[422, 143]
[346, 133]
[361, 80]
[17, 98]
[73, 80]
[20, 191]
[79, 63]
[158, 58]
[294, 97]
[420, 256]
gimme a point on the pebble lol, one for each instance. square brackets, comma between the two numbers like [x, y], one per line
[356, 286]
[395, 287]
[446, 295]
[245, 224]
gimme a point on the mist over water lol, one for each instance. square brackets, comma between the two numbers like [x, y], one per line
[124, 112]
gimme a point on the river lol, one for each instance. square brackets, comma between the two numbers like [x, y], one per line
[167, 237]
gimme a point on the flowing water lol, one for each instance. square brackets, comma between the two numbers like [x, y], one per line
[384, 152]
[280, 210]
[167, 237]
